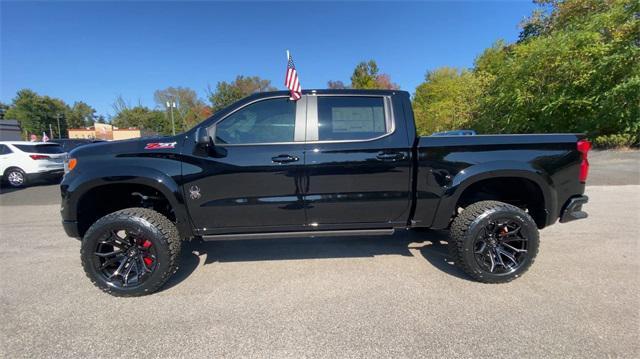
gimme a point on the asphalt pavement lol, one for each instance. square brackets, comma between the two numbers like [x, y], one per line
[362, 297]
[614, 168]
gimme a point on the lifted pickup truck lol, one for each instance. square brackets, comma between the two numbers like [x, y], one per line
[334, 163]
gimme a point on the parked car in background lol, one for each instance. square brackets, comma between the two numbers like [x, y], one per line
[70, 143]
[455, 133]
[24, 162]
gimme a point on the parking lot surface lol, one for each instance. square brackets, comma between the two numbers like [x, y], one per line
[362, 297]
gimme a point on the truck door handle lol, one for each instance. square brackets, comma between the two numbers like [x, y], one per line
[284, 159]
[390, 156]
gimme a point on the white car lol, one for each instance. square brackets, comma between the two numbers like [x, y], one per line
[22, 162]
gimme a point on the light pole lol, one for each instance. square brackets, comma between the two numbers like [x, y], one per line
[171, 105]
[59, 134]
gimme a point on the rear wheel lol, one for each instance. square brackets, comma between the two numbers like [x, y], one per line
[15, 177]
[494, 242]
[130, 252]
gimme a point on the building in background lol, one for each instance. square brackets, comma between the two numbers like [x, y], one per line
[10, 130]
[103, 131]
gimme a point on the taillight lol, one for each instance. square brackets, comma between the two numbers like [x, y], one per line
[583, 147]
[39, 157]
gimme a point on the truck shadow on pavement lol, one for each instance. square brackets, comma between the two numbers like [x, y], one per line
[427, 244]
[5, 188]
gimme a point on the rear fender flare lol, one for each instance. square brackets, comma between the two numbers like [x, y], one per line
[493, 170]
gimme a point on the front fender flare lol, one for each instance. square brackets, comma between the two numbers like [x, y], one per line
[88, 180]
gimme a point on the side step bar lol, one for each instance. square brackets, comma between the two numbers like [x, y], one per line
[310, 234]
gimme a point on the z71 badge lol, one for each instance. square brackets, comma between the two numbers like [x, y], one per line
[160, 145]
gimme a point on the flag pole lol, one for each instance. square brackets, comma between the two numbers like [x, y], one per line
[287, 55]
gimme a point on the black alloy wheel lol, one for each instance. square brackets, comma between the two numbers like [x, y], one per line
[501, 247]
[124, 259]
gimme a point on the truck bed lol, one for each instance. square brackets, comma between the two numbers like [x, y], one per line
[542, 165]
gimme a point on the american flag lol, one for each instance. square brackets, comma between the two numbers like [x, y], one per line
[291, 79]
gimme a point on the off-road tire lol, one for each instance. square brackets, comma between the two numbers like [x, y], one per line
[154, 227]
[467, 226]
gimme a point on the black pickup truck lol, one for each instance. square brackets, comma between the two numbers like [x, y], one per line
[334, 163]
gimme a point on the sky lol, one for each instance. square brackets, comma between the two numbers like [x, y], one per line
[96, 51]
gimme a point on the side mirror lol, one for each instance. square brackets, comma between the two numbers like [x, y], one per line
[202, 138]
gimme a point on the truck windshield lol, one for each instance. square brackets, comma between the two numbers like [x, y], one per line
[50, 148]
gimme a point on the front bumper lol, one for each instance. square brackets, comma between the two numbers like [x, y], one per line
[67, 210]
[573, 209]
[71, 228]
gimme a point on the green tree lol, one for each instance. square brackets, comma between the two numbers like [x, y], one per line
[446, 100]
[36, 113]
[143, 118]
[227, 93]
[578, 70]
[366, 76]
[80, 115]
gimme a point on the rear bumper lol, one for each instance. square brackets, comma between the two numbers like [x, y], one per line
[573, 209]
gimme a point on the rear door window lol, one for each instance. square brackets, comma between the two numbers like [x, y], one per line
[48, 149]
[351, 118]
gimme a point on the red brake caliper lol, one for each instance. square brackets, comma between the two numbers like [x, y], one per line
[146, 245]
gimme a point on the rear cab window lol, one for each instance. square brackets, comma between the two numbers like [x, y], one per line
[345, 118]
[43, 148]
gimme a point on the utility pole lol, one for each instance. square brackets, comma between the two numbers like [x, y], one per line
[50, 132]
[171, 105]
[59, 133]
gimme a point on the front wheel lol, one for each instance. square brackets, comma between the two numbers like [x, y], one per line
[131, 252]
[494, 242]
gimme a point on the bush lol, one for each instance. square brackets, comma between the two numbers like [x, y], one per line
[446, 100]
[616, 141]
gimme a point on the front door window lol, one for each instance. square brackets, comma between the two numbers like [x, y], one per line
[268, 121]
